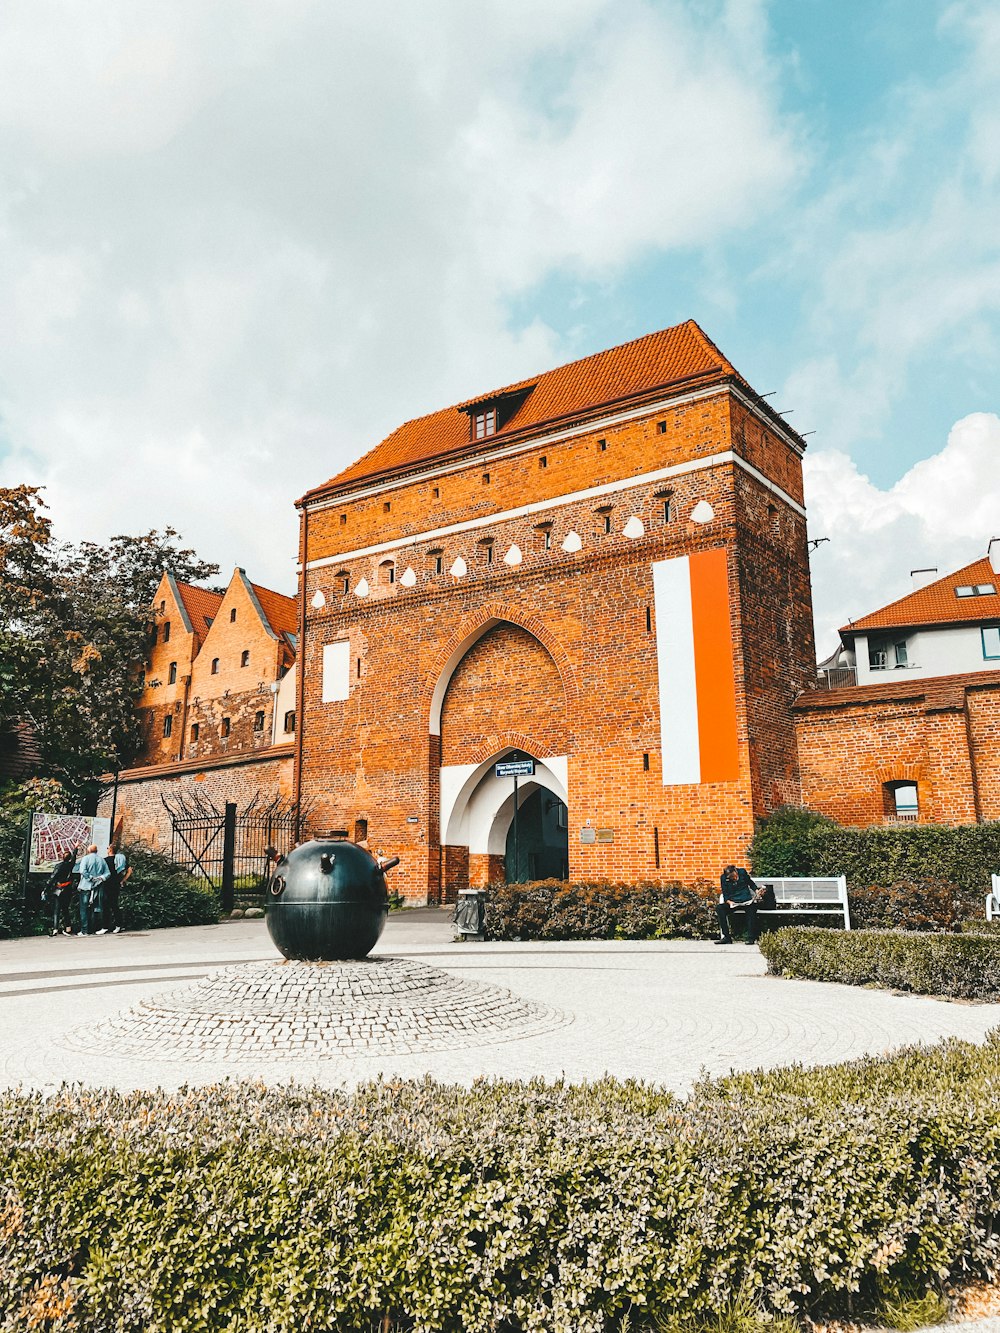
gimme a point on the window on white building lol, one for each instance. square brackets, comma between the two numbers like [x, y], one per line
[991, 641]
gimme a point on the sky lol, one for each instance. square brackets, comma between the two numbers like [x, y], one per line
[242, 240]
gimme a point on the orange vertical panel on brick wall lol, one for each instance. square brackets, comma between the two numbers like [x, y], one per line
[713, 666]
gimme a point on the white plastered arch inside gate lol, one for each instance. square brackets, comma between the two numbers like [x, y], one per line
[477, 808]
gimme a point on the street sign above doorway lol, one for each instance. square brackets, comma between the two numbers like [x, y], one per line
[516, 768]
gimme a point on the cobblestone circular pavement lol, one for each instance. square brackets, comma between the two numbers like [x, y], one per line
[379, 1006]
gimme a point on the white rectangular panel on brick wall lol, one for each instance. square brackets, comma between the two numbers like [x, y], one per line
[676, 672]
[336, 671]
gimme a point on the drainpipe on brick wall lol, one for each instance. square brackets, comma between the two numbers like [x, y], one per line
[300, 670]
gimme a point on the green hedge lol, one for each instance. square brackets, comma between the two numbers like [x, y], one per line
[552, 909]
[508, 1206]
[161, 893]
[793, 841]
[965, 966]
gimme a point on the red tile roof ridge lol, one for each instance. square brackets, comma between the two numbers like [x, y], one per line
[936, 603]
[677, 355]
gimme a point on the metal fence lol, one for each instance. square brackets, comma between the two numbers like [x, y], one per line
[232, 849]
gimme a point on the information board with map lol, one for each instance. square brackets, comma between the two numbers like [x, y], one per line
[52, 836]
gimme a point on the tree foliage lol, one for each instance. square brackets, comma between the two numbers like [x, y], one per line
[73, 632]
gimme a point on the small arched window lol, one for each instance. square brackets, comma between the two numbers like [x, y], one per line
[215, 666]
[172, 674]
[245, 657]
[166, 631]
[387, 572]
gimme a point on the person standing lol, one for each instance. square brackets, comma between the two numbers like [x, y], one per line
[118, 872]
[93, 873]
[59, 891]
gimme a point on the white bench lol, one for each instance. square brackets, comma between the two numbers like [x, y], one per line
[827, 896]
[993, 901]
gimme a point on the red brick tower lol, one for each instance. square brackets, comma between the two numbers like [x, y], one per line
[602, 568]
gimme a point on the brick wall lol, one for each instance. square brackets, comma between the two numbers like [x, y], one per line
[567, 657]
[141, 792]
[941, 734]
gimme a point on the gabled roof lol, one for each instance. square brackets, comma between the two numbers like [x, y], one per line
[280, 612]
[200, 604]
[675, 357]
[937, 604]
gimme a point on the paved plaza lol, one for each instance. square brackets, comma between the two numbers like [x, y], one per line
[92, 1011]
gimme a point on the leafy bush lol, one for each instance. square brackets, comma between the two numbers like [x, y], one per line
[14, 918]
[966, 966]
[799, 842]
[161, 893]
[920, 905]
[507, 1206]
[782, 844]
[552, 909]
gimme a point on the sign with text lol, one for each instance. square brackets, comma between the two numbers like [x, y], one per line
[516, 768]
[52, 836]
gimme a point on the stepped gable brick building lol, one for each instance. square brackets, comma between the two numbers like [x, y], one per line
[218, 702]
[212, 661]
[918, 737]
[601, 568]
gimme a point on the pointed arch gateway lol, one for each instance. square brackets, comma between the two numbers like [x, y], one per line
[502, 691]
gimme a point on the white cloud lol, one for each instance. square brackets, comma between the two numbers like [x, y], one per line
[240, 242]
[941, 513]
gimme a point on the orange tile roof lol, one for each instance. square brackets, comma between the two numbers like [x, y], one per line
[201, 605]
[937, 604]
[670, 358]
[281, 611]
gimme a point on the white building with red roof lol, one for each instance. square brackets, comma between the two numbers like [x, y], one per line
[948, 626]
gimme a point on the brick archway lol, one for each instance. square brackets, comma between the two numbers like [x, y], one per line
[473, 629]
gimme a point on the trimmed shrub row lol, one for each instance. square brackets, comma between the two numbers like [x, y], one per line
[965, 966]
[507, 1206]
[552, 909]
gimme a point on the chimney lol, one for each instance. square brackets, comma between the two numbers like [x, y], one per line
[993, 551]
[921, 577]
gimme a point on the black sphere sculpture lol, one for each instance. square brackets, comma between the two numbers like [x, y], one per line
[327, 900]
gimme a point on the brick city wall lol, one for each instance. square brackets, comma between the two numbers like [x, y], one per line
[942, 734]
[579, 625]
[141, 793]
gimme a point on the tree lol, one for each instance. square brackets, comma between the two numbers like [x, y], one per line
[25, 587]
[74, 622]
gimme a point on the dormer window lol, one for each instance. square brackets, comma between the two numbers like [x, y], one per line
[484, 423]
[975, 590]
[488, 416]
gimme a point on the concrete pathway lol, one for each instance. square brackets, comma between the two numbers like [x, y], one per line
[664, 1011]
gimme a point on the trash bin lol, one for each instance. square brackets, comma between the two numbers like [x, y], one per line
[470, 913]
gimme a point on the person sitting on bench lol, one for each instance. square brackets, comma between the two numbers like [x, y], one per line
[740, 894]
